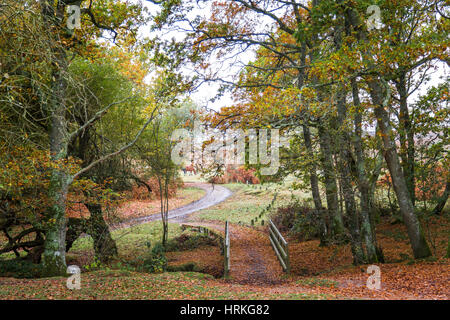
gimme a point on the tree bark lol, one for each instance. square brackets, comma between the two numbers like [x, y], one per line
[104, 246]
[418, 243]
[380, 99]
[442, 200]
[374, 252]
[331, 190]
[314, 182]
[448, 249]
[344, 162]
[406, 134]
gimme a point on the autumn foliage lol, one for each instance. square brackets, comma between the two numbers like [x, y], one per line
[233, 175]
[140, 192]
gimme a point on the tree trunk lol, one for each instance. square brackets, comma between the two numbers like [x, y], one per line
[104, 246]
[442, 200]
[331, 190]
[75, 227]
[35, 254]
[344, 161]
[54, 256]
[162, 198]
[415, 233]
[313, 179]
[314, 182]
[374, 253]
[380, 98]
[379, 160]
[406, 134]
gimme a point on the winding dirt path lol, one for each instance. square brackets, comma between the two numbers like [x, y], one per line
[252, 259]
[214, 195]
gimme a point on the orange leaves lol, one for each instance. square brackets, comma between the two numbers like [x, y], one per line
[406, 279]
[233, 175]
[140, 203]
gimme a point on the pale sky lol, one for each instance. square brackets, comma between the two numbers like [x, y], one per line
[230, 68]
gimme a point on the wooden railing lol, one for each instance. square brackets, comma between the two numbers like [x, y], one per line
[280, 246]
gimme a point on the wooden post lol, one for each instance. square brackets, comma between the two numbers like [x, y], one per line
[288, 261]
[226, 255]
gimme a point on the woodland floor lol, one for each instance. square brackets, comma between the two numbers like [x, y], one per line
[328, 270]
[317, 272]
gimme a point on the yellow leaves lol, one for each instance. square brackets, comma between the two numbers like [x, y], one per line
[150, 108]
[308, 93]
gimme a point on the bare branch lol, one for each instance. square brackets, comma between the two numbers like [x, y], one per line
[96, 117]
[121, 150]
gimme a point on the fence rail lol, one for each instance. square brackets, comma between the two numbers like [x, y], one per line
[280, 246]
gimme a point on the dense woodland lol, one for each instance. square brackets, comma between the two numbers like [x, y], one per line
[87, 113]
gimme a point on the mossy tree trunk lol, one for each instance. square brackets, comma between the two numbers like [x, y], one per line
[406, 135]
[104, 245]
[448, 248]
[54, 256]
[373, 252]
[380, 95]
[344, 163]
[331, 189]
[314, 182]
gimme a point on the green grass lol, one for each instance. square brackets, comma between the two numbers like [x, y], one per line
[251, 202]
[131, 242]
[194, 178]
[237, 210]
[192, 193]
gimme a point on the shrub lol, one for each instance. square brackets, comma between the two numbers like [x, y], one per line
[19, 268]
[140, 192]
[189, 241]
[307, 225]
[284, 217]
[96, 264]
[233, 175]
[189, 266]
[157, 261]
[299, 220]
